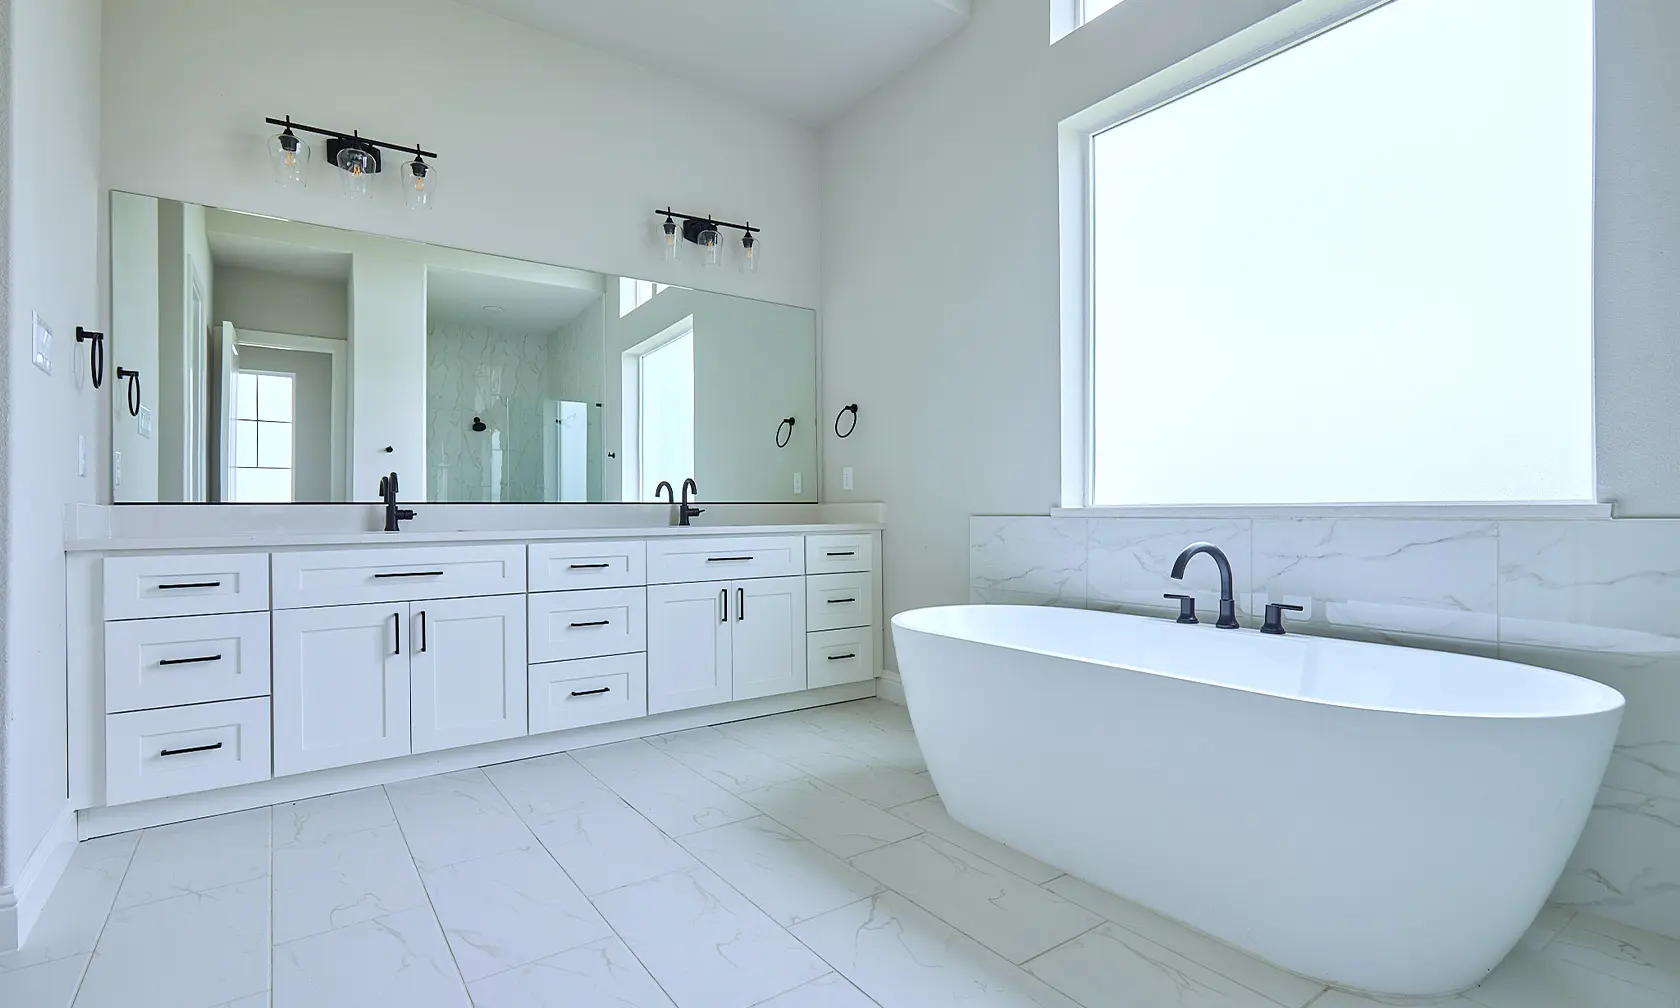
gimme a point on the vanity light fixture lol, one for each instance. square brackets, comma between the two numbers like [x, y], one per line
[357, 156]
[707, 233]
[289, 157]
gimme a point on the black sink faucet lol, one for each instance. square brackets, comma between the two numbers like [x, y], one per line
[1227, 602]
[664, 487]
[689, 512]
[393, 514]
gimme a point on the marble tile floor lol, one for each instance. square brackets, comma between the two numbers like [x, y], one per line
[795, 861]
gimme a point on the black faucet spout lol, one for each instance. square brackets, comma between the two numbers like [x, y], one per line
[393, 514]
[1227, 598]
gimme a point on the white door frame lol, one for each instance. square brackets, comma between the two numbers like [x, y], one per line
[339, 350]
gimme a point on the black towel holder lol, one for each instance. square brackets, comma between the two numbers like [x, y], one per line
[782, 442]
[96, 354]
[133, 378]
[853, 410]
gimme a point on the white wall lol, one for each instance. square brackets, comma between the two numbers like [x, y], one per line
[51, 210]
[134, 320]
[275, 302]
[947, 336]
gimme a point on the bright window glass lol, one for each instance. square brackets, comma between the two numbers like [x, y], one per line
[1357, 272]
[262, 438]
[667, 413]
[1091, 9]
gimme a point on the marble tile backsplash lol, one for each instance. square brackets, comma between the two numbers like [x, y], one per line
[1597, 598]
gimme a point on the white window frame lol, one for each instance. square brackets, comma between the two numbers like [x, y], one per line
[1282, 31]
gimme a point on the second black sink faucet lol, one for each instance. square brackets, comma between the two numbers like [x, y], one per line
[393, 514]
[1227, 601]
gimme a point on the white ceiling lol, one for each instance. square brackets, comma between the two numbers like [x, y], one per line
[461, 297]
[809, 60]
[250, 252]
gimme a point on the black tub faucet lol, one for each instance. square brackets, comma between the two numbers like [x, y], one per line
[1227, 601]
[393, 514]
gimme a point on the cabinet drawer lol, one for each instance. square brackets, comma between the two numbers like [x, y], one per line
[143, 587]
[174, 750]
[570, 566]
[841, 656]
[572, 694]
[682, 561]
[185, 660]
[588, 624]
[849, 553]
[833, 601]
[352, 577]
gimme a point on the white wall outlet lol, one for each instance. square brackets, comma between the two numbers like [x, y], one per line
[145, 423]
[116, 468]
[42, 354]
[798, 483]
[81, 454]
[846, 478]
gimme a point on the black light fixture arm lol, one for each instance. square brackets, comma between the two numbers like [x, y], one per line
[668, 212]
[352, 137]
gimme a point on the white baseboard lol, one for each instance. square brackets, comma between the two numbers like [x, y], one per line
[890, 687]
[105, 820]
[21, 903]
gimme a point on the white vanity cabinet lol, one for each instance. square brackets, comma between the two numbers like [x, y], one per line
[226, 669]
[717, 641]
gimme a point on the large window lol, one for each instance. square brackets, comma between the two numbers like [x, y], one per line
[1359, 271]
[262, 437]
[1089, 10]
[666, 413]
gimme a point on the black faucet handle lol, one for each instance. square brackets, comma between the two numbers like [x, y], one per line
[1274, 617]
[1186, 607]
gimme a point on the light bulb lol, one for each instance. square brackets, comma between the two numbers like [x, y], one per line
[671, 241]
[711, 248]
[359, 167]
[289, 157]
[751, 246]
[421, 189]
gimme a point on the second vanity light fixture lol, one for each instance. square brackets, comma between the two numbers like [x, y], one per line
[358, 157]
[707, 233]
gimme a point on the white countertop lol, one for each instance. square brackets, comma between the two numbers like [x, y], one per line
[296, 540]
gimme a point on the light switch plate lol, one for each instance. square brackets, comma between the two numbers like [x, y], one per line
[846, 478]
[145, 422]
[43, 342]
[81, 454]
[116, 468]
[798, 483]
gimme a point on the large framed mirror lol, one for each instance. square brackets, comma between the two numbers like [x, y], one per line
[264, 360]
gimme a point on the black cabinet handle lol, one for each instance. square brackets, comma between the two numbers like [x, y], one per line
[592, 692]
[396, 633]
[411, 574]
[840, 657]
[196, 748]
[723, 596]
[599, 622]
[192, 584]
[840, 601]
[740, 604]
[846, 553]
[728, 559]
[422, 631]
[598, 566]
[190, 661]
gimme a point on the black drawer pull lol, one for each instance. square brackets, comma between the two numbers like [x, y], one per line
[592, 692]
[840, 601]
[840, 657]
[193, 584]
[196, 748]
[590, 566]
[412, 574]
[599, 622]
[727, 559]
[190, 661]
[846, 553]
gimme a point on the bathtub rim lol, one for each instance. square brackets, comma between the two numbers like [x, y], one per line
[900, 621]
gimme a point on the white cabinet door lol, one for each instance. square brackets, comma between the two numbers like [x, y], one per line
[689, 645]
[341, 688]
[468, 671]
[768, 620]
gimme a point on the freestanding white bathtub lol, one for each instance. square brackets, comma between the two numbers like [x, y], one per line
[1383, 819]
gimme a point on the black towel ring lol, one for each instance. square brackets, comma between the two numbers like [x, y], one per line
[782, 442]
[133, 389]
[96, 355]
[853, 410]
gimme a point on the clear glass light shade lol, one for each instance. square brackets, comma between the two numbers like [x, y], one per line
[711, 248]
[289, 156]
[358, 166]
[752, 249]
[670, 240]
[420, 182]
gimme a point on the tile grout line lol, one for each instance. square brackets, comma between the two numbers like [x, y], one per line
[105, 922]
[587, 897]
[421, 876]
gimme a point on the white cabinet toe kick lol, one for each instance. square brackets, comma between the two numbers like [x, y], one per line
[209, 682]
